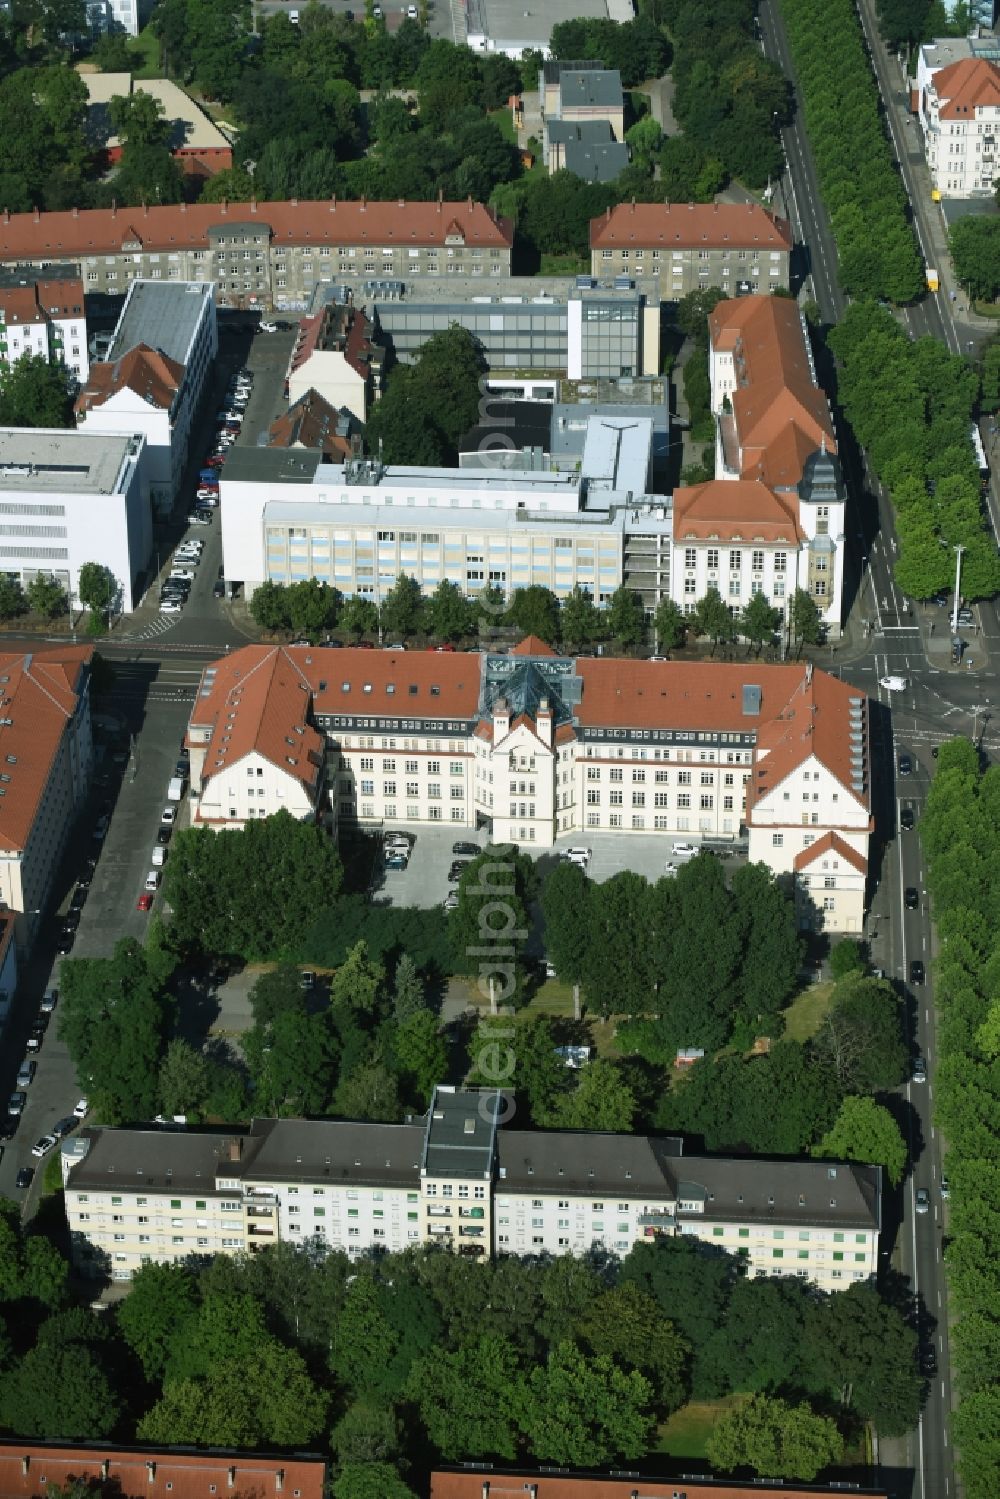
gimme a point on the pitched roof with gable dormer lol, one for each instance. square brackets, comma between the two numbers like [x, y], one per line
[831, 843]
[815, 721]
[715, 225]
[965, 86]
[39, 694]
[780, 413]
[734, 510]
[257, 700]
[151, 375]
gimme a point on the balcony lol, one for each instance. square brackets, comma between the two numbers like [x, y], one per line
[260, 1212]
[257, 1232]
[439, 1212]
[471, 1233]
[472, 1212]
[440, 1230]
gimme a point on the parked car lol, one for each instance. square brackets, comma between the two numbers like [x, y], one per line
[16, 1103]
[945, 1187]
[966, 617]
[581, 856]
[159, 856]
[64, 943]
[218, 589]
[43, 1145]
[163, 835]
[307, 980]
[101, 826]
[80, 1109]
[469, 849]
[396, 860]
[265, 325]
[451, 900]
[26, 1073]
[153, 880]
[24, 1177]
[49, 1001]
[168, 816]
[63, 1127]
[145, 902]
[171, 606]
[684, 850]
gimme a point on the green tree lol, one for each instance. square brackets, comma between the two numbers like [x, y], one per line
[866, 1350]
[402, 611]
[96, 587]
[358, 982]
[371, 1091]
[31, 1268]
[422, 1053]
[975, 251]
[865, 1131]
[846, 959]
[774, 1438]
[535, 611]
[566, 897]
[292, 1062]
[408, 996]
[12, 600]
[626, 1325]
[670, 625]
[758, 621]
[62, 1388]
[860, 1038]
[277, 992]
[602, 1100]
[583, 1410]
[36, 393]
[185, 1079]
[711, 617]
[626, 617]
[359, 617]
[46, 597]
[579, 621]
[269, 606]
[161, 1302]
[313, 607]
[467, 1398]
[451, 616]
[804, 619]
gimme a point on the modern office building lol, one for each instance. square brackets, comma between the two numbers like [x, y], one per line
[75, 497]
[533, 747]
[740, 247]
[46, 753]
[583, 331]
[261, 255]
[44, 315]
[458, 1178]
[28, 1469]
[155, 376]
[774, 518]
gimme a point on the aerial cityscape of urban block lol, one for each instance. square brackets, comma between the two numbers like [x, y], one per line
[499, 798]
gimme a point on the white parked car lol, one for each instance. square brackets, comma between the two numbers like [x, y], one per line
[171, 606]
[187, 573]
[581, 856]
[44, 1145]
[684, 850]
[80, 1112]
[168, 816]
[199, 518]
[159, 856]
[267, 327]
[152, 880]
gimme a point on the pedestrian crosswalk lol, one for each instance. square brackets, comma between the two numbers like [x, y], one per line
[158, 625]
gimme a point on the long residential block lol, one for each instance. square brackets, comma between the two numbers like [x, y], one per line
[460, 1178]
[692, 246]
[535, 746]
[28, 1469]
[481, 1481]
[261, 254]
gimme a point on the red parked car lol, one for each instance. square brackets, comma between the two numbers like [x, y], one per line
[145, 902]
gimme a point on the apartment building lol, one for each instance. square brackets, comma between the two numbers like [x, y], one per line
[485, 1482]
[586, 330]
[535, 746]
[75, 497]
[28, 1469]
[311, 422]
[337, 355]
[740, 247]
[958, 106]
[773, 520]
[462, 1178]
[112, 16]
[46, 754]
[261, 255]
[154, 377]
[44, 315]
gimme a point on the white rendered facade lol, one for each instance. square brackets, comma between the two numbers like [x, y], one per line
[67, 498]
[958, 106]
[56, 331]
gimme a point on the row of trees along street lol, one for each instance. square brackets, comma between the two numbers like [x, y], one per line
[911, 404]
[877, 252]
[419, 1357]
[959, 830]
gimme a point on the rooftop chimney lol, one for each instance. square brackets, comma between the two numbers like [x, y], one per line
[231, 1477]
[279, 1480]
[25, 1465]
[235, 1148]
[150, 1471]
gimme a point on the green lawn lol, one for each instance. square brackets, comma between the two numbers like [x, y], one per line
[145, 49]
[688, 1429]
[504, 122]
[804, 1014]
[563, 265]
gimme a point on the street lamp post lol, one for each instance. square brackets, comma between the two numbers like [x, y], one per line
[958, 588]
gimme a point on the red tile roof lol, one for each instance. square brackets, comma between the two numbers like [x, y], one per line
[163, 227]
[486, 1483]
[831, 843]
[311, 422]
[256, 701]
[734, 510]
[814, 721]
[39, 695]
[963, 86]
[531, 645]
[29, 1469]
[780, 414]
[343, 329]
[717, 225]
[37, 301]
[153, 377]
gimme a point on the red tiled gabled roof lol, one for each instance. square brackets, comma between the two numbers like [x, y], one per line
[815, 721]
[780, 414]
[714, 225]
[532, 645]
[154, 378]
[963, 86]
[734, 510]
[831, 843]
[166, 227]
[39, 692]
[311, 422]
[28, 1469]
[257, 701]
[37, 301]
[484, 1482]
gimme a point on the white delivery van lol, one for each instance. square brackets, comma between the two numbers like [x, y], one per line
[175, 790]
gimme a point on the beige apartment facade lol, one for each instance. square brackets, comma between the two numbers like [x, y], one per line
[261, 255]
[739, 247]
[460, 1179]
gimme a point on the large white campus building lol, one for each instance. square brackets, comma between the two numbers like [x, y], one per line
[461, 1179]
[534, 746]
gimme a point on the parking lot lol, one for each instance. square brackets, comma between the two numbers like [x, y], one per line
[424, 882]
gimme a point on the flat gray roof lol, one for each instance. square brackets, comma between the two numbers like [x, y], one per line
[570, 1160]
[508, 21]
[272, 465]
[158, 1159]
[337, 1150]
[591, 88]
[596, 162]
[590, 132]
[461, 1132]
[163, 315]
[56, 461]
